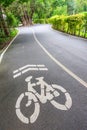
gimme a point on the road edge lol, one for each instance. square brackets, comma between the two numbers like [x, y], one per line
[6, 48]
[76, 37]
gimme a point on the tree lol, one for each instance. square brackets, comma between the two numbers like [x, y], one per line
[70, 6]
[81, 5]
[3, 25]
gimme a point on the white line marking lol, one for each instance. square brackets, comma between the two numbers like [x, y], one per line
[29, 69]
[27, 66]
[16, 75]
[40, 65]
[1, 56]
[16, 71]
[59, 64]
[24, 69]
[43, 69]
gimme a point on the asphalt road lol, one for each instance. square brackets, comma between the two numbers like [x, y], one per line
[43, 81]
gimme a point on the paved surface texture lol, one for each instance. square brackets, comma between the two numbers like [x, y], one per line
[26, 103]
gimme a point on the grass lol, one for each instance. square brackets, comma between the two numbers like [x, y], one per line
[4, 41]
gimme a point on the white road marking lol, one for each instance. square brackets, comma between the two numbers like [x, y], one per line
[34, 96]
[22, 117]
[36, 113]
[40, 65]
[2, 54]
[81, 81]
[19, 100]
[16, 71]
[58, 105]
[68, 103]
[59, 87]
[43, 69]
[27, 68]
[16, 75]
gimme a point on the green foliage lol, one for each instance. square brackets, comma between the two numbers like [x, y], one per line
[81, 6]
[6, 3]
[73, 24]
[12, 20]
[1, 33]
[57, 21]
[71, 4]
[62, 10]
[13, 32]
[41, 21]
[53, 19]
[24, 11]
[5, 40]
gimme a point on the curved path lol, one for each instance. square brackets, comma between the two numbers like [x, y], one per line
[39, 51]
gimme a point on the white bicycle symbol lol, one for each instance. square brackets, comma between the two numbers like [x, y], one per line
[48, 92]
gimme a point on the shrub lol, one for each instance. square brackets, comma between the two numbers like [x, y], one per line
[73, 24]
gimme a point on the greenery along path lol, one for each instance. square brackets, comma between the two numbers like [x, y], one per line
[73, 24]
[27, 12]
[4, 41]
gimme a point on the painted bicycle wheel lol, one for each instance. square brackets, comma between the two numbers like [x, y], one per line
[68, 101]
[31, 98]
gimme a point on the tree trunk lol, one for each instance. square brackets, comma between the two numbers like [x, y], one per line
[25, 15]
[3, 23]
[30, 21]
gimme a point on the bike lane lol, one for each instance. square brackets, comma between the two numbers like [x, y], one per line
[23, 59]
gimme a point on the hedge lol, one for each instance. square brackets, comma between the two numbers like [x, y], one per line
[73, 24]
